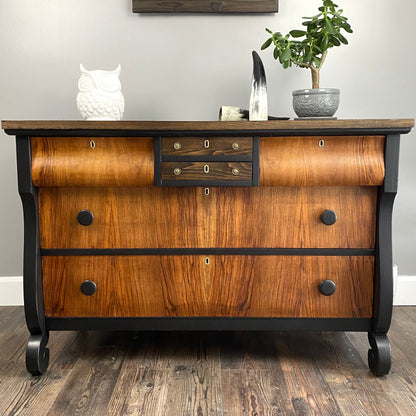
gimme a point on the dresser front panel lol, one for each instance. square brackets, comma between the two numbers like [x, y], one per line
[322, 161]
[218, 286]
[153, 217]
[92, 161]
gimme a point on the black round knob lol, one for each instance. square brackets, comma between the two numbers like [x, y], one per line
[327, 287]
[329, 217]
[85, 217]
[88, 287]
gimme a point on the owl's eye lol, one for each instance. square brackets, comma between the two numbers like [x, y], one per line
[109, 83]
[85, 83]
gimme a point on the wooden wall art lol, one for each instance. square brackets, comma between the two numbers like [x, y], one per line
[205, 6]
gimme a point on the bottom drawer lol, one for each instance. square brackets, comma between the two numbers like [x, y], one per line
[217, 286]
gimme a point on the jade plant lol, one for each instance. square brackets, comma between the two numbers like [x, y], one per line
[308, 48]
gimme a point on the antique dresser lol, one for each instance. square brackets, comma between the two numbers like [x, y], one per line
[274, 225]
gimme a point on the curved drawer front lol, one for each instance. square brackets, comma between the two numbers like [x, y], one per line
[322, 161]
[190, 217]
[92, 161]
[238, 286]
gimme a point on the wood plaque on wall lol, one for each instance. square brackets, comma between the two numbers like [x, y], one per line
[205, 6]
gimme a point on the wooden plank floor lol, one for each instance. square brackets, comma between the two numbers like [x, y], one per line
[211, 373]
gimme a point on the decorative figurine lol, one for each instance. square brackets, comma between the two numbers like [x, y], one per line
[99, 96]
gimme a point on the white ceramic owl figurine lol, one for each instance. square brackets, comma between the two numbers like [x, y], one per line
[99, 96]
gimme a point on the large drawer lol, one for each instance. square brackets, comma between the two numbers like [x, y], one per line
[240, 286]
[154, 217]
[92, 161]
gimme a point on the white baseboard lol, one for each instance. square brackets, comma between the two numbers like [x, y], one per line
[405, 293]
[11, 290]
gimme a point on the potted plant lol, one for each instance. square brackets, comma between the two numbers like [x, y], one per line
[308, 48]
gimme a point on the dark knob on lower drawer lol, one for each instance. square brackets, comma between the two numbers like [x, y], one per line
[88, 287]
[329, 217]
[327, 287]
[85, 217]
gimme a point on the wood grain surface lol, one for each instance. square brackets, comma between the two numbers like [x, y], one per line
[205, 6]
[317, 161]
[77, 161]
[240, 286]
[207, 171]
[143, 127]
[214, 373]
[154, 217]
[213, 146]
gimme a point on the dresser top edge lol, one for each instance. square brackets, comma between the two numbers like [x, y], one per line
[178, 128]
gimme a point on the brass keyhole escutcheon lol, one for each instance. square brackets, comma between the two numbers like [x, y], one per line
[206, 144]
[206, 168]
[235, 146]
[321, 143]
[207, 261]
[177, 171]
[206, 191]
[235, 171]
[92, 144]
[177, 145]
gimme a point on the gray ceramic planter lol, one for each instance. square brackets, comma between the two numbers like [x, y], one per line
[321, 102]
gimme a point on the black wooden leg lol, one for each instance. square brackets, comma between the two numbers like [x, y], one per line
[37, 355]
[379, 356]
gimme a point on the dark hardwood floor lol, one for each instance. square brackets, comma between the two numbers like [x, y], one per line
[207, 373]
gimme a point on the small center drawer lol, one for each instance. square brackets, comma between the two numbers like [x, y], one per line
[206, 161]
[207, 171]
[204, 146]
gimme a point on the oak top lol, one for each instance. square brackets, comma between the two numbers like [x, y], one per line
[272, 127]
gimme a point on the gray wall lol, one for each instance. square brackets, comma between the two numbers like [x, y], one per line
[185, 67]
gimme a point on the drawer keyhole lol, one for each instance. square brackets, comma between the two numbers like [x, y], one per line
[206, 168]
[206, 144]
[92, 144]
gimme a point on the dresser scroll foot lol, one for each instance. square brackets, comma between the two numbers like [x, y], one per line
[37, 355]
[379, 356]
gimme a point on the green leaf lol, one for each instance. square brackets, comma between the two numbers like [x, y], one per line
[316, 61]
[335, 41]
[342, 39]
[276, 52]
[287, 53]
[267, 43]
[297, 33]
[268, 30]
[346, 27]
[330, 28]
[324, 43]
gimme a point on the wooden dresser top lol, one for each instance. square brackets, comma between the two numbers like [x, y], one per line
[259, 128]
